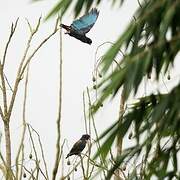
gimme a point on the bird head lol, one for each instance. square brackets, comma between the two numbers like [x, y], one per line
[89, 41]
[85, 137]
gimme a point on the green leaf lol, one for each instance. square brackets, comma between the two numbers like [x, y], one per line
[78, 7]
[105, 148]
[60, 7]
[112, 52]
[130, 152]
[88, 4]
[118, 129]
[165, 23]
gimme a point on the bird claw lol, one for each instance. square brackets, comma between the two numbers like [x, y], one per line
[67, 32]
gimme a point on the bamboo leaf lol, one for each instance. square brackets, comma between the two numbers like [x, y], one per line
[78, 7]
[112, 52]
[61, 7]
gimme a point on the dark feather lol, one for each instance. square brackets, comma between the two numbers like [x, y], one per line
[81, 26]
[79, 146]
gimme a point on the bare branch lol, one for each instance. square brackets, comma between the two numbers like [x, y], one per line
[3, 91]
[139, 4]
[8, 148]
[21, 146]
[58, 122]
[1, 113]
[2, 158]
[5, 167]
[42, 152]
[13, 29]
[18, 77]
[88, 131]
[29, 25]
[58, 20]
[23, 65]
[74, 167]
[34, 149]
[8, 83]
[95, 130]
[82, 166]
[31, 174]
[35, 51]
[38, 24]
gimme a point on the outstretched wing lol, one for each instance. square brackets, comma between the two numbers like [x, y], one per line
[86, 22]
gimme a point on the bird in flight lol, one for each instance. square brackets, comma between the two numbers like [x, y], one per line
[81, 26]
[79, 145]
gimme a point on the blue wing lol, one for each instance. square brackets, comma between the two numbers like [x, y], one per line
[86, 22]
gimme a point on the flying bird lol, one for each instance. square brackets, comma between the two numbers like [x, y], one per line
[81, 26]
[79, 146]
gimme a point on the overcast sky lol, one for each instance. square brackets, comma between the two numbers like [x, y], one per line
[78, 64]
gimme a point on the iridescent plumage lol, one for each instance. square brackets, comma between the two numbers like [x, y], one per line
[81, 26]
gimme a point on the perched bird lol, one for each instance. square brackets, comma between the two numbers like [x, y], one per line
[81, 26]
[79, 146]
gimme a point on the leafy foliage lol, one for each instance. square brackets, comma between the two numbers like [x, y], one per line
[150, 42]
[78, 5]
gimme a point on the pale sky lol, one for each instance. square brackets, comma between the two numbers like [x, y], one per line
[78, 62]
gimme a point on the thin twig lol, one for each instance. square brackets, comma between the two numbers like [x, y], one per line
[95, 130]
[42, 152]
[139, 4]
[28, 172]
[84, 113]
[88, 131]
[22, 67]
[74, 167]
[2, 75]
[119, 138]
[24, 128]
[18, 76]
[58, 122]
[10, 87]
[34, 149]
[38, 47]
[90, 173]
[4, 92]
[1, 113]
[8, 111]
[96, 164]
[32, 174]
[82, 166]
[13, 29]
[5, 167]
[45, 177]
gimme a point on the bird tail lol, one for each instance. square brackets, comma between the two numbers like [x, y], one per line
[65, 27]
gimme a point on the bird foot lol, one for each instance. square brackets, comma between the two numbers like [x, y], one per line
[67, 32]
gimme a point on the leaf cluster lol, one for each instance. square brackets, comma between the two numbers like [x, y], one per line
[150, 44]
[78, 5]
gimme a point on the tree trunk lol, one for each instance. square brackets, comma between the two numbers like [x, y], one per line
[8, 148]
